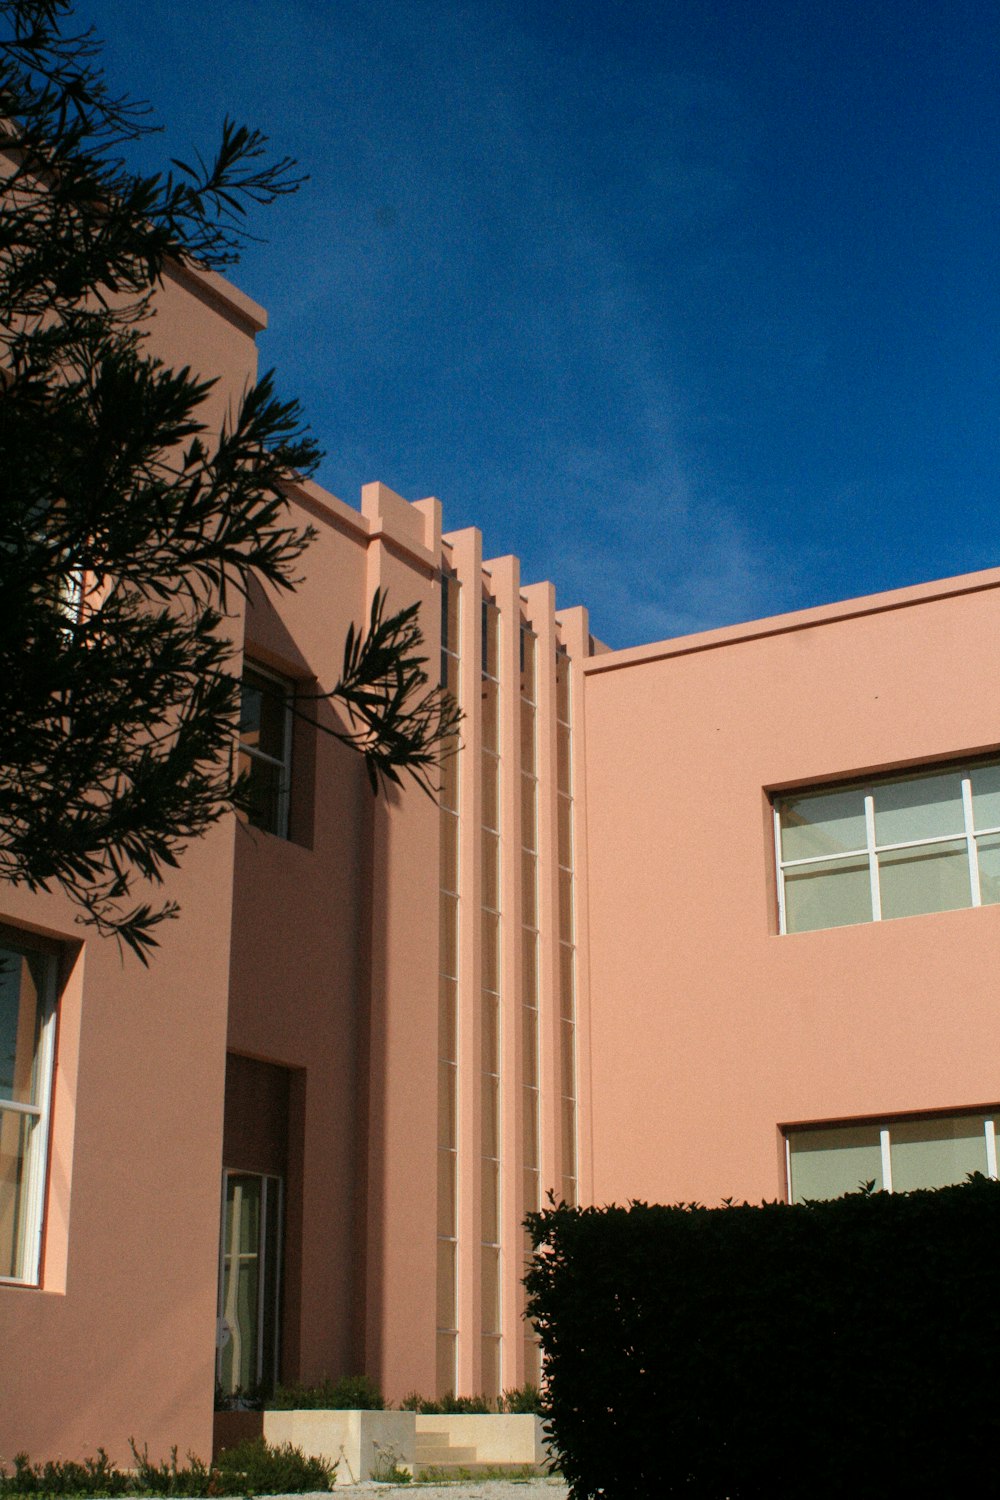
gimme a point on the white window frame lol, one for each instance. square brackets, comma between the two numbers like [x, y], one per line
[33, 1188]
[287, 689]
[885, 1128]
[872, 849]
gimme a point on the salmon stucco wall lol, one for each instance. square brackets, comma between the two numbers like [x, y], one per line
[130, 1260]
[715, 1028]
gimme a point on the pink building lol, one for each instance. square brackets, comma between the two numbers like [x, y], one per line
[712, 917]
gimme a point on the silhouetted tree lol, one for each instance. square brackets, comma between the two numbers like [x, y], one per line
[124, 526]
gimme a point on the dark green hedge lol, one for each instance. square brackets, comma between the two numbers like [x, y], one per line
[847, 1349]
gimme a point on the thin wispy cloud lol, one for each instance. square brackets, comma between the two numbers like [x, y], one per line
[693, 308]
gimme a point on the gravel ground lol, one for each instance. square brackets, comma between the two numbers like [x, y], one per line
[467, 1489]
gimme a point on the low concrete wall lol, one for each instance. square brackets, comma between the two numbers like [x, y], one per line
[363, 1444]
[498, 1439]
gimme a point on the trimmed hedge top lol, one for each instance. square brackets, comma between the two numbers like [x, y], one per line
[846, 1348]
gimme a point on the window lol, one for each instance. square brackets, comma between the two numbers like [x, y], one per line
[27, 1027]
[897, 1155]
[266, 747]
[865, 853]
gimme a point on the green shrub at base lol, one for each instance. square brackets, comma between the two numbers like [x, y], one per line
[845, 1350]
[251, 1468]
[351, 1393]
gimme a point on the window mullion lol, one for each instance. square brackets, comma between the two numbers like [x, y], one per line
[872, 858]
[782, 926]
[970, 841]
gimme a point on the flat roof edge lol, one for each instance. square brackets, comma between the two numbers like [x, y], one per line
[222, 293]
[804, 619]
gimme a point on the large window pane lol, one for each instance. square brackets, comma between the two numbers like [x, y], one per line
[265, 748]
[263, 712]
[827, 823]
[16, 1130]
[240, 1282]
[831, 893]
[986, 796]
[932, 878]
[934, 1153]
[989, 869]
[925, 808]
[22, 1009]
[829, 1163]
[27, 1001]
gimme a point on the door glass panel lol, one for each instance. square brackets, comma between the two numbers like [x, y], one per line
[251, 1262]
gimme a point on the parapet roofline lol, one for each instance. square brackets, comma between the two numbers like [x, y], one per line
[220, 294]
[804, 619]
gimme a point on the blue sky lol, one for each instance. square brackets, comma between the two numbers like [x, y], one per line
[694, 306]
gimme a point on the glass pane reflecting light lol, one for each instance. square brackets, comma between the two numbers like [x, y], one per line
[833, 823]
[829, 894]
[27, 1020]
[921, 843]
[829, 1163]
[932, 878]
[922, 1153]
